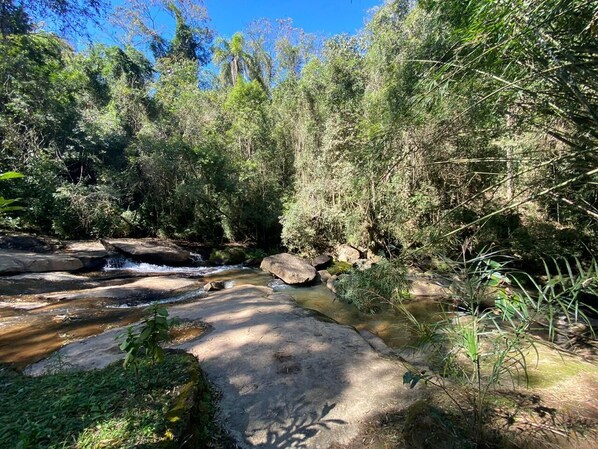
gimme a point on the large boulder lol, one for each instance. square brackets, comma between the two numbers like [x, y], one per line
[347, 253]
[149, 251]
[14, 262]
[291, 269]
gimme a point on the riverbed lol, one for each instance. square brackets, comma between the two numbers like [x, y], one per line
[39, 313]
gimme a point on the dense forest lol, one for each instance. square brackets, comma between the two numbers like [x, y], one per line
[435, 171]
[442, 121]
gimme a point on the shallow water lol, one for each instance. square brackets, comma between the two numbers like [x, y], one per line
[32, 325]
[389, 325]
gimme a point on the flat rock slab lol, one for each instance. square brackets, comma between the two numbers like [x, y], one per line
[91, 253]
[286, 378]
[13, 262]
[35, 283]
[150, 288]
[149, 250]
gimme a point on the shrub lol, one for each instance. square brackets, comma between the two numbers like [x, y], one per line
[146, 341]
[384, 283]
[488, 340]
[339, 267]
[88, 211]
[105, 408]
[228, 256]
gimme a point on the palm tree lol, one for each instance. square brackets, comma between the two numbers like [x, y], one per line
[232, 59]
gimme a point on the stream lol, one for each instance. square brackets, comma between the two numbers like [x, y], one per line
[39, 313]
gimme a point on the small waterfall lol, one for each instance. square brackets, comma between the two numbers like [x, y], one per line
[120, 263]
[197, 258]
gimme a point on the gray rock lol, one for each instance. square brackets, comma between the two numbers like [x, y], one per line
[214, 286]
[424, 286]
[291, 269]
[321, 262]
[149, 250]
[324, 275]
[144, 289]
[376, 342]
[347, 253]
[92, 254]
[285, 378]
[25, 242]
[15, 262]
[330, 283]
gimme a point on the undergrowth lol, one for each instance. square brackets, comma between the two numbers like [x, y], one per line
[384, 283]
[108, 408]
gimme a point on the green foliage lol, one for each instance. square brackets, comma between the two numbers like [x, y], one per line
[382, 284]
[7, 205]
[146, 340]
[87, 211]
[339, 267]
[478, 346]
[488, 339]
[232, 59]
[440, 121]
[228, 256]
[99, 408]
[562, 293]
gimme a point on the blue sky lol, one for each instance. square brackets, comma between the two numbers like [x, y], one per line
[325, 17]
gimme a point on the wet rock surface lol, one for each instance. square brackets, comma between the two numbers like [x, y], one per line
[149, 250]
[93, 255]
[147, 289]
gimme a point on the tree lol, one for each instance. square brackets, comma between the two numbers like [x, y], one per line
[541, 58]
[68, 16]
[232, 59]
[191, 39]
[13, 18]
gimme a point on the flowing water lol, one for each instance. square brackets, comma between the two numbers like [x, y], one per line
[39, 313]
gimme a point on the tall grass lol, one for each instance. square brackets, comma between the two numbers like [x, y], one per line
[487, 339]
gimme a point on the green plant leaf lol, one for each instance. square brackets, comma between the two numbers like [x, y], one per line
[11, 175]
